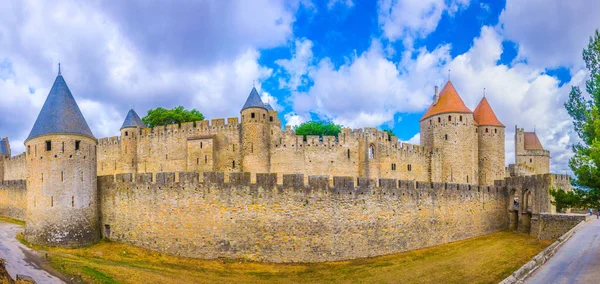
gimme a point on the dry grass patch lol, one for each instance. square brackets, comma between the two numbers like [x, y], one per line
[485, 259]
[11, 220]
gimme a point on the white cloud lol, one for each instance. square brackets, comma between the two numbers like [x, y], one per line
[415, 140]
[408, 19]
[550, 34]
[297, 66]
[109, 65]
[294, 119]
[344, 3]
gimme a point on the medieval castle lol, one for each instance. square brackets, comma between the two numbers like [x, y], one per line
[190, 189]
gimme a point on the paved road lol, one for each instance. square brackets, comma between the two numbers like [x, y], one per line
[20, 259]
[577, 261]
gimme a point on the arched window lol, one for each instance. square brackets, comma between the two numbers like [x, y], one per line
[371, 152]
[449, 118]
[439, 119]
[460, 118]
[486, 130]
[496, 130]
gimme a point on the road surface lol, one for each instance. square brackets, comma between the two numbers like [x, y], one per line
[21, 259]
[577, 261]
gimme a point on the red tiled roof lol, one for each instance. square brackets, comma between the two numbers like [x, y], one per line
[484, 114]
[449, 101]
[532, 142]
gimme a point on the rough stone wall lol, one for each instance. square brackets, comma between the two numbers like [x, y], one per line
[15, 168]
[491, 154]
[293, 222]
[174, 148]
[457, 141]
[62, 199]
[218, 146]
[552, 226]
[13, 199]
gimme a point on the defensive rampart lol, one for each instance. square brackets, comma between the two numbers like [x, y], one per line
[325, 220]
[13, 199]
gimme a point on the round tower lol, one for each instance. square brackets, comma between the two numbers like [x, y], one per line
[449, 126]
[62, 198]
[490, 137]
[130, 131]
[255, 135]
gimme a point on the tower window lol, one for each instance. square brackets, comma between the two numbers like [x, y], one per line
[495, 130]
[439, 119]
[77, 143]
[460, 118]
[51, 201]
[233, 164]
[486, 130]
[252, 115]
[206, 159]
[72, 201]
[467, 179]
[62, 176]
[348, 153]
[48, 145]
[446, 136]
[449, 118]
[126, 133]
[530, 161]
[409, 167]
[270, 118]
[393, 167]
[63, 147]
[200, 145]
[264, 116]
[28, 150]
[371, 152]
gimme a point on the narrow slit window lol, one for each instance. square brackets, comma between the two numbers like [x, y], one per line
[252, 115]
[206, 159]
[48, 145]
[449, 118]
[233, 164]
[51, 201]
[78, 143]
[348, 153]
[72, 201]
[62, 174]
[63, 147]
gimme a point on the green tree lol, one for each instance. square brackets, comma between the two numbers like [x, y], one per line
[586, 121]
[389, 132]
[320, 128]
[565, 199]
[162, 116]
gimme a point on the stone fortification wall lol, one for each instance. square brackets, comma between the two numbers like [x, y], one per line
[195, 146]
[324, 220]
[15, 167]
[552, 226]
[13, 199]
[538, 159]
[216, 146]
[519, 170]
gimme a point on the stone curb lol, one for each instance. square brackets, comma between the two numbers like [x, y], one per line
[519, 276]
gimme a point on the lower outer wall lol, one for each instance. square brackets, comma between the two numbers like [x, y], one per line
[13, 199]
[552, 226]
[294, 223]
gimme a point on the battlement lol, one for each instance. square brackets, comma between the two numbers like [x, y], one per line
[20, 157]
[559, 179]
[296, 183]
[20, 183]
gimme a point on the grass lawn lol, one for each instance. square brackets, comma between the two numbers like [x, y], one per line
[485, 259]
[11, 220]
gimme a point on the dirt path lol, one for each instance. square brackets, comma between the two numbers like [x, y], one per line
[577, 261]
[23, 260]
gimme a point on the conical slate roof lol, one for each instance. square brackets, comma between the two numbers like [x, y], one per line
[449, 101]
[484, 115]
[254, 100]
[268, 107]
[60, 113]
[4, 147]
[133, 120]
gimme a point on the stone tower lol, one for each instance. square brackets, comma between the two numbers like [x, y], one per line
[62, 198]
[449, 125]
[530, 152]
[255, 135]
[4, 155]
[490, 136]
[130, 131]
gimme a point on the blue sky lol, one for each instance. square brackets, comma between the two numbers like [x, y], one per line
[356, 63]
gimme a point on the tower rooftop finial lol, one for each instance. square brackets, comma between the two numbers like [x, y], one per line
[59, 74]
[484, 92]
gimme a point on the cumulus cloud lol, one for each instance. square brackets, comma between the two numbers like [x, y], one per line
[408, 20]
[369, 89]
[111, 62]
[550, 34]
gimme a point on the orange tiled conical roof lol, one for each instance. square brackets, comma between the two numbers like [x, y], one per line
[449, 101]
[484, 115]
